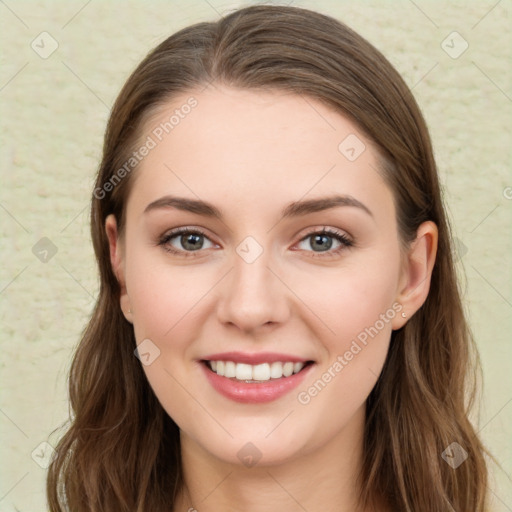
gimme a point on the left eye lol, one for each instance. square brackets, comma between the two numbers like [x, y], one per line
[322, 241]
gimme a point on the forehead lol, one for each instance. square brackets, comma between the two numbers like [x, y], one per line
[247, 146]
[270, 121]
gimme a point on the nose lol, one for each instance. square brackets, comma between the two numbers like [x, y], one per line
[253, 296]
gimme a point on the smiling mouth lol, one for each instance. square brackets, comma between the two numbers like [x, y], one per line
[258, 373]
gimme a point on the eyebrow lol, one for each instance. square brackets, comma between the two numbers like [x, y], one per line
[295, 209]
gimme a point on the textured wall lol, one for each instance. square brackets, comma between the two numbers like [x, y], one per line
[53, 113]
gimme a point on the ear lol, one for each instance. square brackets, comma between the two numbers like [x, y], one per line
[117, 261]
[416, 273]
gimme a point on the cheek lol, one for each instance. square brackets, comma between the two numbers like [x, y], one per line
[349, 302]
[166, 301]
[355, 309]
[164, 297]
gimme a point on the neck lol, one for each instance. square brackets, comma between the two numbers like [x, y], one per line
[323, 479]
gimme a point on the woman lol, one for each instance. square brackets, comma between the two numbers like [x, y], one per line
[279, 325]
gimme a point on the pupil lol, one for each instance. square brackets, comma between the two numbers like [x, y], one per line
[324, 241]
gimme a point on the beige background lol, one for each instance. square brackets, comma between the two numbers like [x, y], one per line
[53, 115]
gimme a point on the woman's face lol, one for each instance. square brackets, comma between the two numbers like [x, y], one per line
[256, 177]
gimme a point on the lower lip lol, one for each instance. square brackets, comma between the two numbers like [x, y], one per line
[254, 393]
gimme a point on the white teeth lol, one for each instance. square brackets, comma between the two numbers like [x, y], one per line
[287, 369]
[297, 367]
[261, 372]
[276, 370]
[243, 371]
[230, 369]
[258, 372]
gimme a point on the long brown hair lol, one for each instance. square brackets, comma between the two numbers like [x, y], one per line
[121, 450]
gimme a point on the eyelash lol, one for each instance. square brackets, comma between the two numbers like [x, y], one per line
[340, 237]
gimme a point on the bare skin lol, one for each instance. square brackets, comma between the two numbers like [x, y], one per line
[251, 154]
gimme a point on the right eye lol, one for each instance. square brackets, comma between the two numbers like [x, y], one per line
[184, 241]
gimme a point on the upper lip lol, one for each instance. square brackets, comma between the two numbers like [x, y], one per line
[255, 358]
